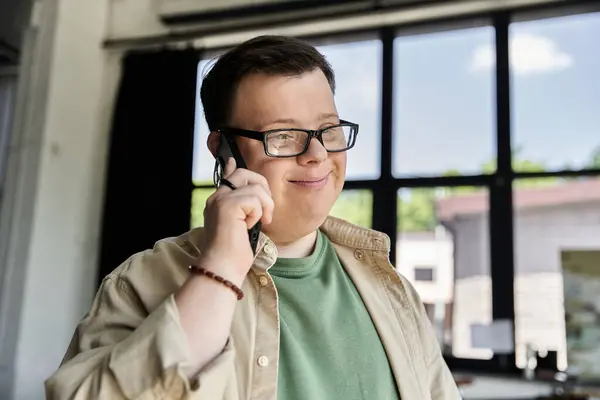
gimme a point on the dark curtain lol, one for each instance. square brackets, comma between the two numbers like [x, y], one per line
[148, 191]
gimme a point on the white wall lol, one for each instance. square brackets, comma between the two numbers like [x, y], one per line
[435, 249]
[21, 185]
[540, 236]
[133, 19]
[147, 23]
[69, 101]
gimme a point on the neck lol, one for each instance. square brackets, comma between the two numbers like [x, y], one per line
[302, 247]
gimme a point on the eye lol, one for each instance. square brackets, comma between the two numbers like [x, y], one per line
[333, 133]
[282, 136]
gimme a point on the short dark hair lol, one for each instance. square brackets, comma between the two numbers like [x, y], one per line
[269, 54]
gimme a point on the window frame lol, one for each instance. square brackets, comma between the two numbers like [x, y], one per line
[428, 270]
[499, 184]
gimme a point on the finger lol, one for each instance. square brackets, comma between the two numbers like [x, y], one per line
[266, 202]
[230, 166]
[243, 207]
[254, 211]
[243, 177]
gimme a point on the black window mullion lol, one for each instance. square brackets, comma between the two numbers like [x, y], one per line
[384, 193]
[501, 207]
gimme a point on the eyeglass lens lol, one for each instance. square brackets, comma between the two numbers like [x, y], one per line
[292, 142]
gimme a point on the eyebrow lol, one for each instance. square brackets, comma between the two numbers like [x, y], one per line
[282, 121]
[293, 121]
[329, 115]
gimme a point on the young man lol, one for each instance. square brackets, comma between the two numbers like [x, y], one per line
[317, 313]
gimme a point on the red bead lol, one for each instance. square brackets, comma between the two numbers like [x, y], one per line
[220, 279]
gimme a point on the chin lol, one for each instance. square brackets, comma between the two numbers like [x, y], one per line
[293, 225]
[315, 219]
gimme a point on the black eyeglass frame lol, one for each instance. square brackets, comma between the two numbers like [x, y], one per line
[318, 134]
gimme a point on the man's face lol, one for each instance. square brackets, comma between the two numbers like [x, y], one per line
[305, 187]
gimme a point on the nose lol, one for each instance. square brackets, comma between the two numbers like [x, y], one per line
[315, 154]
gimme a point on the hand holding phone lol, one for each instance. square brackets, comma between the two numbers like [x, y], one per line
[228, 149]
[231, 218]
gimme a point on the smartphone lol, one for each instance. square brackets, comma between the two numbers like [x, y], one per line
[228, 148]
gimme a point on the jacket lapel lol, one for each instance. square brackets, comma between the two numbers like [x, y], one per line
[397, 336]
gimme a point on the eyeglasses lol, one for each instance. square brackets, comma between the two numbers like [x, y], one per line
[292, 142]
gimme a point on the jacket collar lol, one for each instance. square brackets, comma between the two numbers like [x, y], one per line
[337, 230]
[346, 234]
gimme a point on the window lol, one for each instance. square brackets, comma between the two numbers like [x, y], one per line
[424, 274]
[8, 85]
[8, 89]
[444, 131]
[581, 277]
[443, 248]
[552, 218]
[204, 162]
[556, 93]
[355, 206]
[357, 67]
[443, 104]
[199, 197]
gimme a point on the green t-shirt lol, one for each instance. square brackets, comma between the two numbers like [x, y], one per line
[330, 349]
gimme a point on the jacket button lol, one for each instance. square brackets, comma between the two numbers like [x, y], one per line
[358, 254]
[263, 280]
[268, 249]
[263, 361]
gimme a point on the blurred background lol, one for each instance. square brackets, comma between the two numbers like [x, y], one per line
[478, 155]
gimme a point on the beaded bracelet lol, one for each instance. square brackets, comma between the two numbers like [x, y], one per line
[220, 279]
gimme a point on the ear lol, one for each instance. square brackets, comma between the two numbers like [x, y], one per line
[213, 142]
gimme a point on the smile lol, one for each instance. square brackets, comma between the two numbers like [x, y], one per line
[312, 183]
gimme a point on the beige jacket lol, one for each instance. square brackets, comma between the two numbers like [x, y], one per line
[131, 345]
